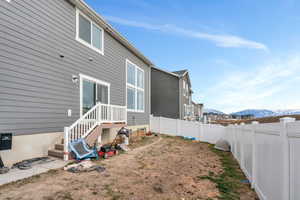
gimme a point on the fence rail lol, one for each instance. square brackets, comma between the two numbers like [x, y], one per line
[268, 154]
[204, 132]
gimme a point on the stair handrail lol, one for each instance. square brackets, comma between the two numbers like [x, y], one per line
[90, 120]
[83, 131]
[84, 116]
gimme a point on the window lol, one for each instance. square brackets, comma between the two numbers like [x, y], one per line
[140, 100]
[135, 87]
[188, 110]
[84, 29]
[131, 73]
[89, 33]
[187, 90]
[184, 87]
[130, 98]
[140, 78]
[102, 93]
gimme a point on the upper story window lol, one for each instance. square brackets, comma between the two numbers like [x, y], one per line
[185, 89]
[89, 33]
[135, 87]
[184, 86]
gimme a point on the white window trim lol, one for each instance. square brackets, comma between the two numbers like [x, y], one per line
[89, 78]
[183, 85]
[188, 110]
[92, 23]
[135, 87]
[187, 90]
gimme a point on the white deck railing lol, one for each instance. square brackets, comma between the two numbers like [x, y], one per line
[100, 113]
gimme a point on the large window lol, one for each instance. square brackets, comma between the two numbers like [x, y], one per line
[89, 33]
[135, 88]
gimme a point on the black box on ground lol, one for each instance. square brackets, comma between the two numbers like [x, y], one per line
[5, 141]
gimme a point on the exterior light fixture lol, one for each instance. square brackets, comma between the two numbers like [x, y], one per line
[74, 78]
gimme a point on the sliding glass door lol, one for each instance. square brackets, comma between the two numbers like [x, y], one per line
[88, 95]
[93, 91]
[102, 94]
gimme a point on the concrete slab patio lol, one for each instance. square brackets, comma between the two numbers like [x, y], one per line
[17, 174]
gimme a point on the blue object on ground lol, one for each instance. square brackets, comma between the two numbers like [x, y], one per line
[189, 138]
[245, 181]
[82, 150]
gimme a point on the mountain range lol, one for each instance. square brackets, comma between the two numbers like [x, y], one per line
[208, 110]
[258, 113]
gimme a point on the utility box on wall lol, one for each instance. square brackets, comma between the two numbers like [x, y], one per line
[5, 141]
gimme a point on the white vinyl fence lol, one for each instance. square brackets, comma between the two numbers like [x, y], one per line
[267, 153]
[204, 132]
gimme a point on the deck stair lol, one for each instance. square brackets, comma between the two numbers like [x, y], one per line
[90, 126]
[58, 150]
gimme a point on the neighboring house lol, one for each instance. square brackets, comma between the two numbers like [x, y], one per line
[212, 117]
[61, 63]
[198, 111]
[171, 94]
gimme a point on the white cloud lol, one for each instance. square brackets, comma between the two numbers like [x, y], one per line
[226, 41]
[271, 86]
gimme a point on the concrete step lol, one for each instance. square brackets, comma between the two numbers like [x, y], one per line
[59, 147]
[56, 153]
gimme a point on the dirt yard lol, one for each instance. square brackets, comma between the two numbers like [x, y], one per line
[158, 168]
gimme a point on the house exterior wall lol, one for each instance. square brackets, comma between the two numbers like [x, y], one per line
[30, 146]
[164, 94]
[36, 88]
[184, 100]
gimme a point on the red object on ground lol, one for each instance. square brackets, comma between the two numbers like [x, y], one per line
[107, 154]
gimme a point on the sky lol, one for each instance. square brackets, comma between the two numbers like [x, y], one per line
[241, 54]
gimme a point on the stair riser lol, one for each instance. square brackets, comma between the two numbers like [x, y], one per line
[56, 154]
[59, 147]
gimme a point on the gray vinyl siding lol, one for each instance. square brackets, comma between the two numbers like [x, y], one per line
[36, 87]
[164, 94]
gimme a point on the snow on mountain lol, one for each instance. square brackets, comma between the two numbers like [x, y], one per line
[255, 112]
[207, 110]
[287, 112]
[258, 113]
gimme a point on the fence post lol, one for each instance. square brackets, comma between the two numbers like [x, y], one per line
[242, 161]
[286, 156]
[66, 143]
[235, 140]
[159, 124]
[253, 181]
[229, 136]
[178, 127]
